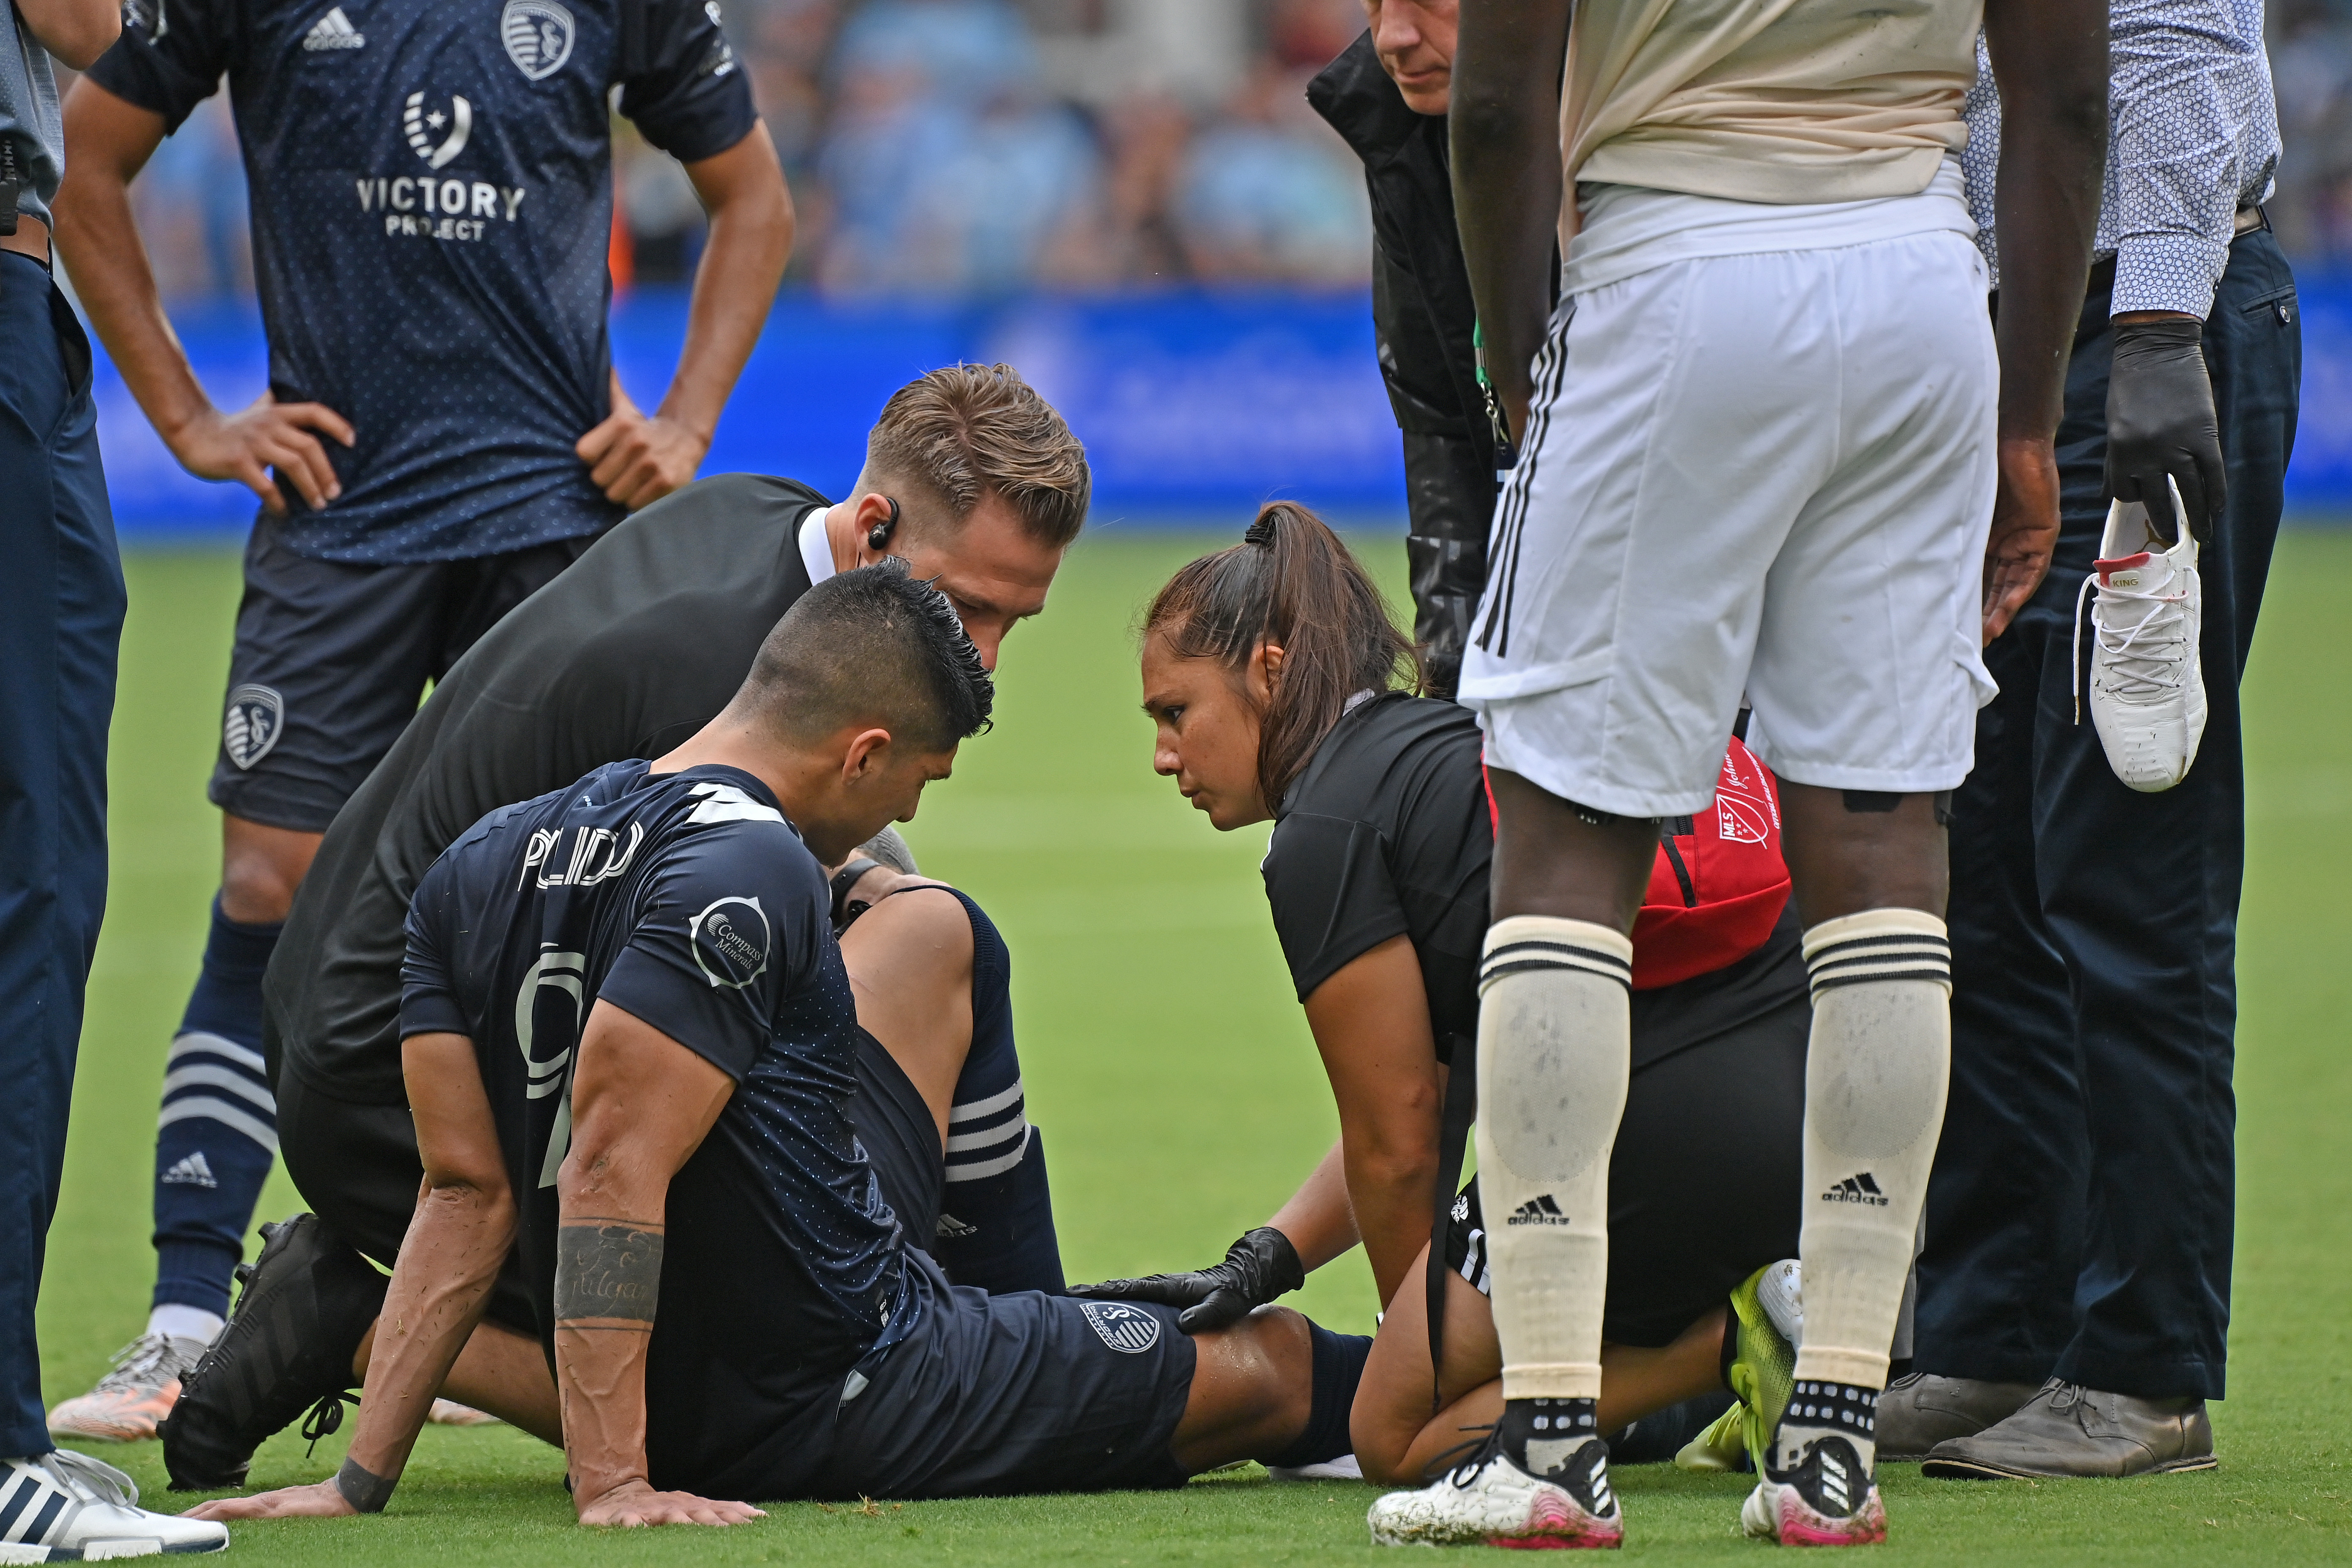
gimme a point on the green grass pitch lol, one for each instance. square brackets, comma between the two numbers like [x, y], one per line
[1181, 1099]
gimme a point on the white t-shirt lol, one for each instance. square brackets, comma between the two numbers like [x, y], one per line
[816, 549]
[1786, 101]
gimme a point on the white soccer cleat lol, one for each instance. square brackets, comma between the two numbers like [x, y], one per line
[1487, 1501]
[64, 1507]
[2147, 686]
[1343, 1468]
[1829, 1499]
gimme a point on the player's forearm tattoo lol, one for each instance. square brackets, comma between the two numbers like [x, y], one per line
[607, 1275]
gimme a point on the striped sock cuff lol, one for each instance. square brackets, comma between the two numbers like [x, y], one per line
[1525, 943]
[1878, 944]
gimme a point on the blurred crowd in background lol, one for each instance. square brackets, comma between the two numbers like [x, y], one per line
[987, 146]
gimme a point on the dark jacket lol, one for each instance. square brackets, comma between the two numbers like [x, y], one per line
[1422, 312]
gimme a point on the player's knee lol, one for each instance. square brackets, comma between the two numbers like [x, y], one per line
[1316, 1380]
[1381, 1446]
[261, 869]
[255, 890]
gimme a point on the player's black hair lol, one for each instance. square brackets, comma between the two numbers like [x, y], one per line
[1293, 584]
[873, 644]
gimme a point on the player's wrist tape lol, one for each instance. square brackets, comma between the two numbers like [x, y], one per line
[366, 1491]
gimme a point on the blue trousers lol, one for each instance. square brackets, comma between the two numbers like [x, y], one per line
[2079, 1219]
[61, 605]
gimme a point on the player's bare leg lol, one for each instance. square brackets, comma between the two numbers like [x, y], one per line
[500, 1371]
[1251, 1391]
[1399, 1443]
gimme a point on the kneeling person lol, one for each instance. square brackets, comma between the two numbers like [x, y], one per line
[628, 1038]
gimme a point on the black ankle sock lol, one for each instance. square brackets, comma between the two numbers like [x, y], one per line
[1818, 1409]
[1546, 1423]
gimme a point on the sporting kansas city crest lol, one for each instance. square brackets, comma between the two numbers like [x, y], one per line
[255, 715]
[1131, 1331]
[537, 35]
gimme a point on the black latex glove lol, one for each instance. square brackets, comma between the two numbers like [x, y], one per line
[1258, 1268]
[2160, 422]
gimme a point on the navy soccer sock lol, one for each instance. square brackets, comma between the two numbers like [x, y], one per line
[1338, 1368]
[218, 1130]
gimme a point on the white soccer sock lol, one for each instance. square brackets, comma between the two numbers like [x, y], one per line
[1555, 1047]
[186, 1322]
[1876, 1075]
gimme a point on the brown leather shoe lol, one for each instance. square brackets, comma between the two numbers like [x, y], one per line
[2069, 1430]
[1921, 1410]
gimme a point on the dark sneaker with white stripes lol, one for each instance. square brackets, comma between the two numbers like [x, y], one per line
[306, 1305]
[1829, 1499]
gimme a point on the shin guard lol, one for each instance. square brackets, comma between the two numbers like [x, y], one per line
[1555, 1049]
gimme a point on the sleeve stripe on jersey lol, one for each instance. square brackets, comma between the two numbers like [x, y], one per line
[974, 1110]
[995, 1167]
[989, 1138]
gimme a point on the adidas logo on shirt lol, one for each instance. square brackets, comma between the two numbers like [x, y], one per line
[1537, 1211]
[334, 31]
[1857, 1189]
[195, 1171]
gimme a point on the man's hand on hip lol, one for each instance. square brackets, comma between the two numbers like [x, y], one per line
[268, 434]
[2024, 530]
[2160, 421]
[634, 459]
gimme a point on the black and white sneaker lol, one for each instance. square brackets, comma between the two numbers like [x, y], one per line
[1829, 1499]
[1487, 1501]
[306, 1305]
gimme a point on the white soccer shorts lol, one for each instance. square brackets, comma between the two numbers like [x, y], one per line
[1770, 473]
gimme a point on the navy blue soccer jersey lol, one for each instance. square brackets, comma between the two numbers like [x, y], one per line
[432, 198]
[687, 900]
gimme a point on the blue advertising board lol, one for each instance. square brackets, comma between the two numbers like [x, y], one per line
[1191, 405]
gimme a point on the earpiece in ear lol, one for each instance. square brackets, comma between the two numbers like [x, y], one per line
[878, 538]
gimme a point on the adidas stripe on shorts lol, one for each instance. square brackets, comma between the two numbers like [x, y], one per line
[1760, 458]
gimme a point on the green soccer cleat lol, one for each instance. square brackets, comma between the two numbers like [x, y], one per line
[1718, 1447]
[1764, 1361]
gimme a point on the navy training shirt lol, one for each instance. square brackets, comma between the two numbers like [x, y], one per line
[687, 900]
[432, 202]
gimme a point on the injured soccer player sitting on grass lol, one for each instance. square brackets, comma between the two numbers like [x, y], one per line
[629, 1044]
[1272, 672]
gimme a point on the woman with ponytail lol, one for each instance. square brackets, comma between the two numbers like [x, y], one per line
[1280, 687]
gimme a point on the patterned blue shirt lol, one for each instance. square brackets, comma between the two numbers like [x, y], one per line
[2194, 136]
[431, 188]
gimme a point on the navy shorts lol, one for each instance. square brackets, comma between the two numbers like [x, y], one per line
[1027, 1393]
[331, 660]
